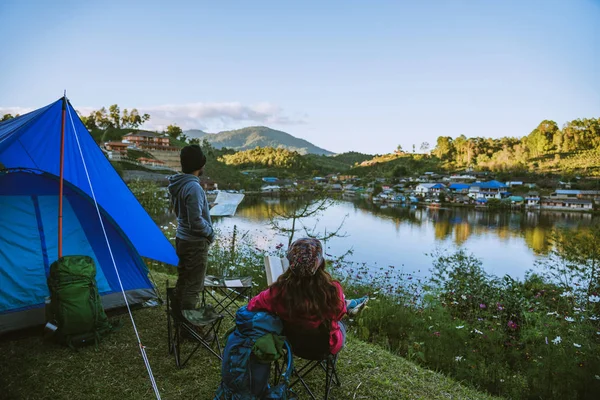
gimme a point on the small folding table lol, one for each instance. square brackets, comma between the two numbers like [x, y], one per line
[227, 293]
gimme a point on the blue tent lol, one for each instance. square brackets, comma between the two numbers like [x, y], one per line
[29, 170]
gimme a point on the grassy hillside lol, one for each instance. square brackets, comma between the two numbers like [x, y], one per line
[397, 165]
[284, 163]
[351, 158]
[262, 136]
[32, 369]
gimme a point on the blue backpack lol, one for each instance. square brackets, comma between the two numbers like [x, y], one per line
[246, 367]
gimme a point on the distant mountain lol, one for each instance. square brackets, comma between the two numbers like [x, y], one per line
[195, 133]
[258, 136]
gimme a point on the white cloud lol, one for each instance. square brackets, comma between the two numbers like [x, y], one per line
[14, 110]
[211, 117]
[216, 116]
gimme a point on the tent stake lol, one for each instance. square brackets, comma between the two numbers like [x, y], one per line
[60, 184]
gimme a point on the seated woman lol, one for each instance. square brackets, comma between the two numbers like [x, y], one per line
[308, 300]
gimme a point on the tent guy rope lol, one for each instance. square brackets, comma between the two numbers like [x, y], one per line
[141, 346]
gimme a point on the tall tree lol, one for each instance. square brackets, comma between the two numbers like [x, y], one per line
[114, 113]
[174, 131]
[444, 149]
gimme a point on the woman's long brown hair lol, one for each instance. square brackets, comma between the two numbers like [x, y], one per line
[314, 297]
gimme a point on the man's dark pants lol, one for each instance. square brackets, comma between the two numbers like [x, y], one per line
[193, 258]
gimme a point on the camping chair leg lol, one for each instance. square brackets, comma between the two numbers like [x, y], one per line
[304, 371]
[330, 364]
[203, 342]
[169, 325]
[177, 345]
[329, 374]
[335, 374]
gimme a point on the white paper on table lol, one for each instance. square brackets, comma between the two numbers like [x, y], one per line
[233, 283]
[227, 204]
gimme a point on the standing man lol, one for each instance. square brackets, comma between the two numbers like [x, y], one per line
[194, 227]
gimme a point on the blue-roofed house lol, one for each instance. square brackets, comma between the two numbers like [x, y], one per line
[566, 193]
[430, 188]
[270, 179]
[488, 190]
[459, 187]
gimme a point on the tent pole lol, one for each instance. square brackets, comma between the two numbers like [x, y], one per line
[60, 184]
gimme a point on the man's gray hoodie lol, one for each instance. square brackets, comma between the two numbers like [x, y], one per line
[191, 207]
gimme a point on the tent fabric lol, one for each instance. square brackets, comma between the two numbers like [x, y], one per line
[33, 141]
[29, 227]
[29, 150]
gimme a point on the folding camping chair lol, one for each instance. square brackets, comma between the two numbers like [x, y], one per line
[233, 293]
[312, 346]
[187, 333]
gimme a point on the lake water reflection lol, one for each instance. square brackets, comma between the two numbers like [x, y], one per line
[506, 242]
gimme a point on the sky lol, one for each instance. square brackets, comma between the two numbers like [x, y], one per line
[344, 75]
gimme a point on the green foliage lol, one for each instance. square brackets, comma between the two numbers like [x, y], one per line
[174, 131]
[265, 157]
[135, 154]
[227, 176]
[7, 116]
[526, 339]
[352, 158]
[396, 165]
[543, 148]
[150, 197]
[377, 189]
[325, 165]
[113, 119]
[112, 134]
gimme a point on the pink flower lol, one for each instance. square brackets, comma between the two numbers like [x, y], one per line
[500, 308]
[436, 334]
[482, 306]
[512, 325]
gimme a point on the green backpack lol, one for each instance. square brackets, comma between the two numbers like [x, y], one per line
[75, 305]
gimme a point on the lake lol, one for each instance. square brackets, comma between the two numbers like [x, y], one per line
[506, 242]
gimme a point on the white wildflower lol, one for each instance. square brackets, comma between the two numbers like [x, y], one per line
[597, 377]
[594, 299]
[593, 318]
[459, 359]
[576, 345]
[569, 319]
[462, 296]
[557, 340]
[430, 328]
[566, 294]
[476, 331]
[552, 313]
[460, 327]
[455, 302]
